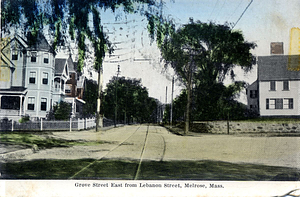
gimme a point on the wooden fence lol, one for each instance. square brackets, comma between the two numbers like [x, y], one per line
[46, 125]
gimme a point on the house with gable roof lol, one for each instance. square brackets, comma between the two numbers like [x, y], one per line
[32, 80]
[276, 92]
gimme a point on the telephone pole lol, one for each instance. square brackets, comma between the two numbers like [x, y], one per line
[171, 110]
[116, 106]
[99, 117]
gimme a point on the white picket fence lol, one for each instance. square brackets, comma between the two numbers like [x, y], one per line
[45, 125]
[86, 123]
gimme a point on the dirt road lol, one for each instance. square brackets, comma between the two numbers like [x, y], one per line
[160, 145]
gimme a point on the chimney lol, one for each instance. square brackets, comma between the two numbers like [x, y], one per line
[276, 48]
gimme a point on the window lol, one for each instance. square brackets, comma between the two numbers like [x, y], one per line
[33, 56]
[10, 102]
[272, 85]
[32, 76]
[31, 101]
[14, 55]
[291, 104]
[280, 103]
[288, 103]
[43, 104]
[253, 93]
[286, 85]
[45, 78]
[46, 58]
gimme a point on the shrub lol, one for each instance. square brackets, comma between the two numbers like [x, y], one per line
[24, 119]
[61, 111]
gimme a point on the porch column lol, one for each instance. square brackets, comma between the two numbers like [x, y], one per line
[21, 97]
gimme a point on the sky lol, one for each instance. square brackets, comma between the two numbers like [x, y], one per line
[263, 22]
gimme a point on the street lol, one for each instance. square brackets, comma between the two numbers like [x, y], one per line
[156, 143]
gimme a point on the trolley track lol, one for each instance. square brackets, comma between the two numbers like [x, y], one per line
[125, 142]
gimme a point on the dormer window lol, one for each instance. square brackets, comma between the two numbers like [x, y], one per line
[33, 56]
[14, 55]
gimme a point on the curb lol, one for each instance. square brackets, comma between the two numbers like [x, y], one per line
[16, 154]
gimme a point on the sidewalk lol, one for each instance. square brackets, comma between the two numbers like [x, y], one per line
[13, 151]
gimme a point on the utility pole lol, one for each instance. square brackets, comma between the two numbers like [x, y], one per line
[99, 118]
[116, 107]
[166, 94]
[171, 110]
[126, 103]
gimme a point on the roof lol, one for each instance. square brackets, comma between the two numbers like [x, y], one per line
[40, 44]
[13, 91]
[278, 67]
[60, 65]
[71, 65]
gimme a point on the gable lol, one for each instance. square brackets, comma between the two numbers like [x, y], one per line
[61, 67]
[8, 47]
[17, 43]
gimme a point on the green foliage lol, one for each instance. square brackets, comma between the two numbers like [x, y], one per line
[202, 55]
[213, 50]
[90, 96]
[131, 100]
[61, 111]
[69, 19]
[24, 119]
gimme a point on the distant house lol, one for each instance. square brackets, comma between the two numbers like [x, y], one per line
[32, 80]
[74, 88]
[276, 92]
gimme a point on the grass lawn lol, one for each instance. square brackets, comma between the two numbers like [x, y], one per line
[150, 170]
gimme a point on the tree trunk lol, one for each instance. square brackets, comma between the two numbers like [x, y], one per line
[187, 119]
[99, 118]
[189, 89]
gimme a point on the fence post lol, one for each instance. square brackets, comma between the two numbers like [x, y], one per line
[78, 124]
[12, 125]
[70, 124]
[86, 123]
[41, 124]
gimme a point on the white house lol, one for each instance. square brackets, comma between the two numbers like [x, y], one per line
[277, 89]
[32, 80]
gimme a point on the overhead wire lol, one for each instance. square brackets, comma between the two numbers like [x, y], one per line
[214, 8]
[234, 10]
[220, 10]
[242, 13]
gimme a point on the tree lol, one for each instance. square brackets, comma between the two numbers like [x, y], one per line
[132, 101]
[90, 97]
[202, 54]
[61, 111]
[76, 20]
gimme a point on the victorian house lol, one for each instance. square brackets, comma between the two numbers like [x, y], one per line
[32, 80]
